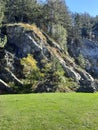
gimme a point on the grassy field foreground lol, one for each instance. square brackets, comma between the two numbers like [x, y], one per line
[59, 111]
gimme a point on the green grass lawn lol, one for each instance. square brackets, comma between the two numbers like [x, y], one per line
[59, 111]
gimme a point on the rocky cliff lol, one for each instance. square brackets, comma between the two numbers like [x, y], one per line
[24, 39]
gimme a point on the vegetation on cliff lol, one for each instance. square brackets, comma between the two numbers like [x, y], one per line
[37, 39]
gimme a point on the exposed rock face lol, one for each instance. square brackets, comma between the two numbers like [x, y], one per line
[9, 71]
[8, 67]
[24, 39]
[89, 50]
[87, 86]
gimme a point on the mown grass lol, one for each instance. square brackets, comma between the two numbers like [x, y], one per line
[59, 111]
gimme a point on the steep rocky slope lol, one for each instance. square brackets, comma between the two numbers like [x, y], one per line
[24, 39]
[87, 50]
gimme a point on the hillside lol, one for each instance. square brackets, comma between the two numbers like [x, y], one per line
[31, 58]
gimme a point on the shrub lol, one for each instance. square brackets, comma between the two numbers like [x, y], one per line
[3, 41]
[81, 61]
[31, 71]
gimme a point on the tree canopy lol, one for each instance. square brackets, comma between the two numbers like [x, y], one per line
[53, 16]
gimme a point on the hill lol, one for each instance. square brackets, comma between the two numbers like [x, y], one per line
[33, 62]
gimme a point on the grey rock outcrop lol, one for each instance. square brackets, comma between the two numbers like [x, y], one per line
[22, 40]
[89, 51]
[26, 41]
[8, 71]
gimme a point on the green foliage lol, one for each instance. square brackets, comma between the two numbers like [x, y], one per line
[20, 10]
[48, 15]
[59, 33]
[81, 60]
[55, 75]
[3, 41]
[77, 25]
[66, 84]
[52, 72]
[56, 13]
[82, 25]
[56, 19]
[20, 89]
[31, 71]
[53, 17]
[51, 77]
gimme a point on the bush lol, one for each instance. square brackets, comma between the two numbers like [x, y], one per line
[3, 40]
[81, 61]
[32, 73]
[26, 88]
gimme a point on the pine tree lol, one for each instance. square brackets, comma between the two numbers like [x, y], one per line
[20, 10]
[56, 12]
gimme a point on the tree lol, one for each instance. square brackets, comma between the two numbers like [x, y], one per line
[56, 12]
[20, 10]
[76, 25]
[30, 69]
[82, 25]
[53, 72]
[56, 20]
[86, 21]
[59, 33]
